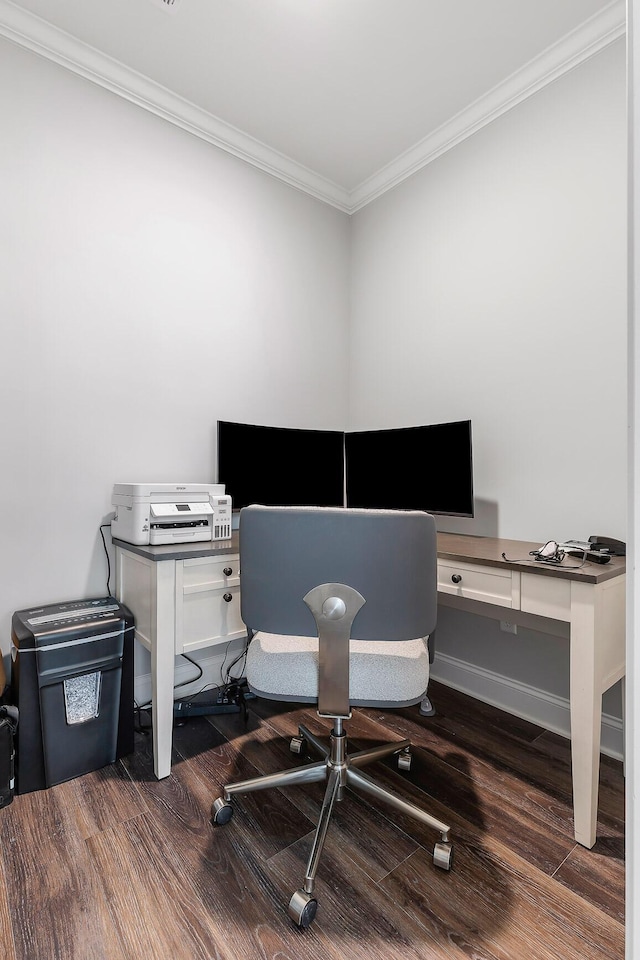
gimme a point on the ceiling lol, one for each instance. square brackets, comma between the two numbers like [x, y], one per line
[342, 98]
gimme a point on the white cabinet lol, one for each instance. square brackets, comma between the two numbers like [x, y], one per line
[183, 597]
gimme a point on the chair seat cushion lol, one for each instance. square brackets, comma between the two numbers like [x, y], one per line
[381, 673]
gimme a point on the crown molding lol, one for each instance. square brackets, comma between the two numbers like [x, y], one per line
[573, 49]
[35, 34]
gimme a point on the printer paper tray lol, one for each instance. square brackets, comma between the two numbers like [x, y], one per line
[193, 535]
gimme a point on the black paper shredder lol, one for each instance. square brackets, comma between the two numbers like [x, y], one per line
[72, 682]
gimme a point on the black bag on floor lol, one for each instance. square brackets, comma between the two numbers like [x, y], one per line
[8, 727]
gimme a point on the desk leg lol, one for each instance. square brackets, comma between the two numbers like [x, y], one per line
[586, 711]
[597, 662]
[162, 665]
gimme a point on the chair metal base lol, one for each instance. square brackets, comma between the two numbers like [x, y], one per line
[339, 769]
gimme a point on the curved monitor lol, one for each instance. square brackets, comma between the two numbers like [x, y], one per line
[280, 466]
[408, 468]
[412, 468]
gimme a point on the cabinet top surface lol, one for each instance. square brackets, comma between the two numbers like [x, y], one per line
[182, 551]
[488, 551]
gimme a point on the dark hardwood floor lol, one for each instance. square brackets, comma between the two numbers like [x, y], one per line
[116, 865]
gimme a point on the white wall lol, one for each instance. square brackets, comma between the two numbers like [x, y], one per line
[149, 284]
[492, 285]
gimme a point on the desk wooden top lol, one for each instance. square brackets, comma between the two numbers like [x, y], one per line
[451, 546]
[488, 552]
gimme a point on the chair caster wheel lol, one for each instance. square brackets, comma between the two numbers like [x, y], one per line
[221, 811]
[298, 745]
[427, 709]
[443, 856]
[404, 760]
[302, 908]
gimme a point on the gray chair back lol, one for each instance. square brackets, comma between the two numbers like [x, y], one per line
[388, 556]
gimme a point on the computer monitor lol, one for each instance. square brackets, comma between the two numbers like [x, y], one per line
[280, 466]
[408, 468]
[412, 468]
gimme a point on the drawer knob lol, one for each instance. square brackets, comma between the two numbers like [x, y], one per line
[456, 578]
[227, 571]
[227, 597]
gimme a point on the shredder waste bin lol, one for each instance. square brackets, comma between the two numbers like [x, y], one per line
[72, 681]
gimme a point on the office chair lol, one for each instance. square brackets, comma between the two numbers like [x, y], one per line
[370, 573]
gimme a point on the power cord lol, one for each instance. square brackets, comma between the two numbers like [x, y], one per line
[146, 707]
[106, 553]
[230, 691]
[242, 656]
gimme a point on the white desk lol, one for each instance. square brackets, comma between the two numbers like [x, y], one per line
[186, 596]
[587, 603]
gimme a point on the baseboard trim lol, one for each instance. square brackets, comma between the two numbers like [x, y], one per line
[522, 700]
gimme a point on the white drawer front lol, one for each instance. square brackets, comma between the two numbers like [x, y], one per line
[486, 584]
[209, 617]
[203, 573]
[546, 596]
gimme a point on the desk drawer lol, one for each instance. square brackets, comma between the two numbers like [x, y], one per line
[202, 573]
[207, 602]
[486, 584]
[546, 596]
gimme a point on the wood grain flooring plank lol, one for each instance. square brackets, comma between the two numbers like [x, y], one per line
[375, 843]
[504, 805]
[271, 815]
[543, 796]
[57, 910]
[149, 898]
[223, 867]
[502, 762]
[531, 828]
[457, 792]
[597, 875]
[7, 944]
[547, 764]
[101, 799]
[469, 943]
[361, 919]
[514, 911]
[611, 786]
[532, 839]
[120, 866]
[452, 703]
[459, 789]
[506, 816]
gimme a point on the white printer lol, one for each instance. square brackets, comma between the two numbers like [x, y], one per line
[170, 512]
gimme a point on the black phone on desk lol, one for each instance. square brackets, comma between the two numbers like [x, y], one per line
[615, 548]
